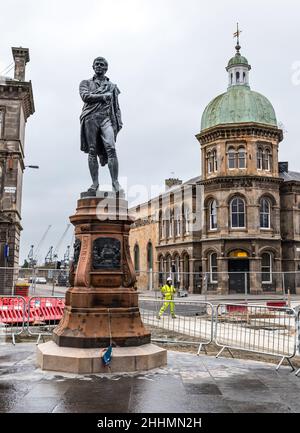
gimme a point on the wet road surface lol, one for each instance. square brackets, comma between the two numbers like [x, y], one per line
[188, 384]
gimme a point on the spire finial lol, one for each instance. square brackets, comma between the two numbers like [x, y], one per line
[237, 36]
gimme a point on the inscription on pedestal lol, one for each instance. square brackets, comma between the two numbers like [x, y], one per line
[106, 253]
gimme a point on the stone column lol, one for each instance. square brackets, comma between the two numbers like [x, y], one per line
[255, 275]
[181, 273]
[222, 276]
[278, 275]
[191, 272]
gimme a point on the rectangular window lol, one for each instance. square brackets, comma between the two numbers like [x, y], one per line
[213, 268]
[231, 159]
[259, 159]
[242, 159]
[266, 268]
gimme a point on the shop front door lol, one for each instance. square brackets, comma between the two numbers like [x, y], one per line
[236, 270]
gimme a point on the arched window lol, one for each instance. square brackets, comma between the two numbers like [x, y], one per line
[171, 224]
[168, 265]
[213, 215]
[136, 258]
[231, 158]
[231, 78]
[241, 157]
[266, 268]
[186, 271]
[176, 270]
[244, 77]
[210, 165]
[186, 220]
[267, 160]
[259, 157]
[177, 222]
[161, 270]
[237, 74]
[213, 268]
[215, 162]
[237, 213]
[149, 256]
[161, 232]
[167, 224]
[265, 213]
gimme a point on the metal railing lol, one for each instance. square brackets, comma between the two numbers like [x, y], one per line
[298, 340]
[266, 330]
[193, 322]
[44, 313]
[41, 281]
[12, 316]
[242, 284]
[261, 329]
[209, 285]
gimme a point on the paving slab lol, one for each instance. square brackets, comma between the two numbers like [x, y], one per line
[189, 383]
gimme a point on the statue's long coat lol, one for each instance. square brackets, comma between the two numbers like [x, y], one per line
[86, 89]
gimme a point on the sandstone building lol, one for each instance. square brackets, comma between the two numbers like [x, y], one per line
[238, 223]
[16, 105]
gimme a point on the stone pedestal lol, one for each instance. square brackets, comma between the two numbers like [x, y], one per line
[101, 306]
[85, 361]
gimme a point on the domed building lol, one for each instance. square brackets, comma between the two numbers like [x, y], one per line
[246, 204]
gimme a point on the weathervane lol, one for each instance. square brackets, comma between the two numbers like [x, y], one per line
[237, 36]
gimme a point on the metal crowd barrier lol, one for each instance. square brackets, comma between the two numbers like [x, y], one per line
[12, 316]
[259, 329]
[194, 319]
[298, 341]
[44, 315]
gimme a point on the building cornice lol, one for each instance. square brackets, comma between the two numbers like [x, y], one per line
[233, 131]
[242, 181]
[20, 90]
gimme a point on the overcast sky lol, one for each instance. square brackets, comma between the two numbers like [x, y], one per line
[168, 58]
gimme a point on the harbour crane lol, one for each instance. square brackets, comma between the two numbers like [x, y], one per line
[49, 256]
[35, 256]
[66, 259]
[57, 248]
[30, 256]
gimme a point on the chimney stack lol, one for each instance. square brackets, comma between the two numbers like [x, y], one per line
[169, 183]
[283, 167]
[21, 57]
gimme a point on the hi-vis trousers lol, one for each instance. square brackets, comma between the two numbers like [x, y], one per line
[166, 304]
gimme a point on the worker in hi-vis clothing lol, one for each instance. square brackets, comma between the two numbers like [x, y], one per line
[168, 292]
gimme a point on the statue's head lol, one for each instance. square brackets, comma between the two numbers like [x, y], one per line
[100, 65]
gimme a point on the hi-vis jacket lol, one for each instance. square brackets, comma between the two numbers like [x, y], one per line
[168, 292]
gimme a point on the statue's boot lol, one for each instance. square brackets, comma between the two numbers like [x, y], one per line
[94, 171]
[113, 166]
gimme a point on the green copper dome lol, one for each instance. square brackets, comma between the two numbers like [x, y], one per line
[238, 60]
[238, 105]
